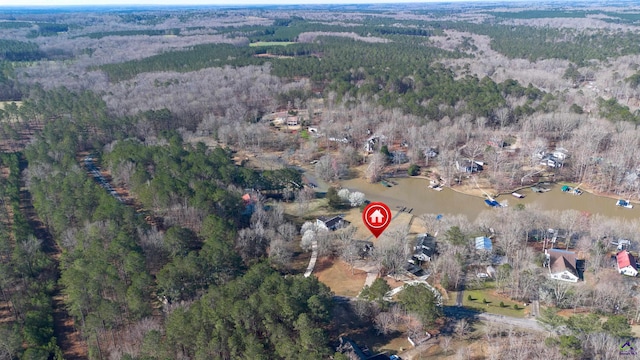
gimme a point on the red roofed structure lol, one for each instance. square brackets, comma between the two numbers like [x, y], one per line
[627, 263]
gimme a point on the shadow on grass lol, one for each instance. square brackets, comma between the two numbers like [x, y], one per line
[459, 312]
[322, 263]
[347, 323]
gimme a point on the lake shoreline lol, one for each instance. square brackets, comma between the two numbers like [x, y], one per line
[481, 192]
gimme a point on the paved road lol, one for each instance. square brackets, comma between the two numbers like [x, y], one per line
[460, 296]
[465, 313]
[314, 258]
[535, 308]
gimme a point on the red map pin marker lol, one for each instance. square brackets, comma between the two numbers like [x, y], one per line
[376, 217]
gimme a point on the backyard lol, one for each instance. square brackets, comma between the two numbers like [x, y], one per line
[487, 300]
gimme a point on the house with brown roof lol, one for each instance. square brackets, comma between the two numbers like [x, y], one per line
[626, 263]
[562, 265]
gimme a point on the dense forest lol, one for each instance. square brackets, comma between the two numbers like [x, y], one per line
[157, 204]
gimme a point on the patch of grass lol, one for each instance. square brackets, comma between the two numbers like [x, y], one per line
[337, 275]
[492, 304]
[271, 43]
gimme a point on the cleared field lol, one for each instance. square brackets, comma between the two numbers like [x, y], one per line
[493, 302]
[338, 277]
[271, 43]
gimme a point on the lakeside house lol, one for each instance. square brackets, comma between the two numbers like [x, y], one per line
[554, 159]
[562, 265]
[430, 153]
[332, 223]
[468, 166]
[550, 161]
[626, 263]
[425, 247]
[483, 243]
[497, 142]
[560, 153]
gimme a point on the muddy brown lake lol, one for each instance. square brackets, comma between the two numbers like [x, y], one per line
[413, 193]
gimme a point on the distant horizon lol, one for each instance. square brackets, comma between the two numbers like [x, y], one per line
[226, 3]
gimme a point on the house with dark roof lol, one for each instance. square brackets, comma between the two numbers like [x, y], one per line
[562, 265]
[353, 351]
[425, 247]
[626, 263]
[468, 166]
[332, 223]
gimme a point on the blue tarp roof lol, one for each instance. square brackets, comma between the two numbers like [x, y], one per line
[483, 243]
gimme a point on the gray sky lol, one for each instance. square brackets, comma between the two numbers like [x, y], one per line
[195, 2]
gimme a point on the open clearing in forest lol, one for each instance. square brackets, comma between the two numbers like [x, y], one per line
[337, 275]
[5, 103]
[271, 43]
[493, 306]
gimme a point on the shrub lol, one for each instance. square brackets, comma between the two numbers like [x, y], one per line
[502, 304]
[516, 307]
[413, 170]
[469, 298]
[484, 301]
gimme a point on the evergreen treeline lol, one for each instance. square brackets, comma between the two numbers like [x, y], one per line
[14, 50]
[27, 277]
[48, 29]
[112, 270]
[396, 73]
[100, 35]
[551, 43]
[261, 315]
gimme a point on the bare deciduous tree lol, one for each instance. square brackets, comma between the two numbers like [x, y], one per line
[376, 165]
[383, 323]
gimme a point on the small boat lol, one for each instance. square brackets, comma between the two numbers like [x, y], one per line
[492, 203]
[570, 190]
[385, 183]
[518, 195]
[624, 204]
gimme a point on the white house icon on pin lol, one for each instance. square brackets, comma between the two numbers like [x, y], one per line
[376, 217]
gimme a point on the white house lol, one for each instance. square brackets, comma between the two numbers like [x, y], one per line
[626, 263]
[292, 121]
[560, 153]
[551, 161]
[562, 265]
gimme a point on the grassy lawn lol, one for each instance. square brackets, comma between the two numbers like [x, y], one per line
[337, 275]
[493, 305]
[271, 43]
